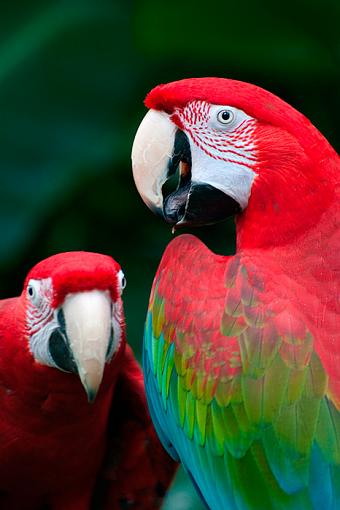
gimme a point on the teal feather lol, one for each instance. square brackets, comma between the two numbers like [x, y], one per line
[168, 367]
[321, 490]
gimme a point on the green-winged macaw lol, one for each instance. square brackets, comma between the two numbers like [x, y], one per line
[63, 448]
[242, 352]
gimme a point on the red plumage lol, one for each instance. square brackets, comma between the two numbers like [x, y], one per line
[250, 342]
[56, 449]
[294, 208]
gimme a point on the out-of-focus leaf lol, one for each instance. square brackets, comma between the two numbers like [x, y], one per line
[259, 35]
[61, 99]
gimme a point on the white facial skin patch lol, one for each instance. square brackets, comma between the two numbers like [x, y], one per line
[222, 144]
[223, 150]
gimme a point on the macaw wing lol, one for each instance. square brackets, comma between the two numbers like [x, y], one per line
[137, 471]
[235, 387]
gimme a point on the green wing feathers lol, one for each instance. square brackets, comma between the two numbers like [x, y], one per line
[249, 397]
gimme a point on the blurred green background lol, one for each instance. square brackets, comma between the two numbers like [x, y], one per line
[73, 76]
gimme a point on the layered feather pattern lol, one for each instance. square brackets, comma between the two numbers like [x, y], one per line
[236, 382]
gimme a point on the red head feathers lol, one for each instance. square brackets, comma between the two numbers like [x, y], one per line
[77, 271]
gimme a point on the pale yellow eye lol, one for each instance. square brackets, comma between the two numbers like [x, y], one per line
[225, 116]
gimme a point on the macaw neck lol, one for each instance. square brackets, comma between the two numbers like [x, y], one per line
[281, 213]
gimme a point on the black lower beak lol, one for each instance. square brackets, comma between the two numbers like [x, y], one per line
[198, 204]
[59, 347]
[186, 202]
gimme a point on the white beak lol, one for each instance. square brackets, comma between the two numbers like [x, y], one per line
[88, 328]
[151, 151]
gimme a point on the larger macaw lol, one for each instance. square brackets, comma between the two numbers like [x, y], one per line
[63, 448]
[242, 353]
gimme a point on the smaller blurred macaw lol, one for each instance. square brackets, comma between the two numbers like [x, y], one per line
[61, 447]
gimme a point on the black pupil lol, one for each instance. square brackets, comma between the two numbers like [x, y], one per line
[30, 291]
[225, 115]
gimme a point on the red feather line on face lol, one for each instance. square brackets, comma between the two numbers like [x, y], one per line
[215, 143]
[37, 317]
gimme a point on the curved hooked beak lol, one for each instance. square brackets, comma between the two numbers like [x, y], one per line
[88, 328]
[151, 152]
[170, 182]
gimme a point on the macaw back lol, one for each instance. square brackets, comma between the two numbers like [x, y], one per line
[242, 372]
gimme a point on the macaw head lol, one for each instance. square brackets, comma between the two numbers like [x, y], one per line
[211, 147]
[74, 314]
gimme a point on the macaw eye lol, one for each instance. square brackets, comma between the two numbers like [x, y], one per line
[33, 293]
[122, 281]
[225, 116]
